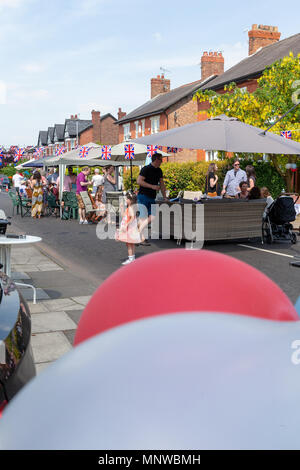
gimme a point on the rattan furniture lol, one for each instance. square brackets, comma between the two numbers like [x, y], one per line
[224, 219]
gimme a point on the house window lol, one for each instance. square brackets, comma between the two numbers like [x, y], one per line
[154, 124]
[136, 128]
[73, 143]
[143, 127]
[244, 89]
[211, 155]
[126, 128]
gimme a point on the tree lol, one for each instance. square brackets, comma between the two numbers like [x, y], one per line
[278, 91]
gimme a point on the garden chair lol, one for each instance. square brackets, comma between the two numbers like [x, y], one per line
[71, 204]
[87, 202]
[15, 200]
[25, 204]
[53, 207]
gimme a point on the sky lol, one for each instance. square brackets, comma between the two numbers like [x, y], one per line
[72, 56]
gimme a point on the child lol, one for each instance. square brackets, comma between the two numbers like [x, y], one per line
[129, 232]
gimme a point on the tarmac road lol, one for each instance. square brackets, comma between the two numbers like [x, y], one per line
[78, 248]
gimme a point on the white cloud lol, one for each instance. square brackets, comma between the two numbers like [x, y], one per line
[2, 93]
[86, 7]
[32, 68]
[234, 53]
[10, 3]
[22, 96]
[158, 37]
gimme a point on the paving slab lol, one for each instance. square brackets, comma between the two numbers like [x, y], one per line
[17, 276]
[82, 300]
[49, 267]
[75, 315]
[48, 347]
[70, 335]
[27, 268]
[57, 305]
[37, 308]
[28, 293]
[52, 321]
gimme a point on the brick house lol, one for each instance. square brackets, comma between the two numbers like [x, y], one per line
[98, 129]
[168, 109]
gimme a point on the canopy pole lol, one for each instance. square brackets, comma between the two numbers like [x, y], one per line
[295, 105]
[131, 175]
[62, 169]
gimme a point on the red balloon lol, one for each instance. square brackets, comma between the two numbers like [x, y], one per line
[174, 281]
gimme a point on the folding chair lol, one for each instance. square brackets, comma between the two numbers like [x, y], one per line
[25, 204]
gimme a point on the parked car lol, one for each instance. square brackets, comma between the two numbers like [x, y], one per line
[5, 182]
[16, 359]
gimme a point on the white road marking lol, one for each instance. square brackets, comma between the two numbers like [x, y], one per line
[267, 251]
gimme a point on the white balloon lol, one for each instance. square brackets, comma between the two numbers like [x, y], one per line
[178, 381]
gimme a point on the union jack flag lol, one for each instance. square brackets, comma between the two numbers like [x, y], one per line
[106, 152]
[159, 147]
[1, 152]
[83, 151]
[286, 134]
[129, 151]
[60, 150]
[39, 152]
[151, 149]
[18, 154]
[172, 149]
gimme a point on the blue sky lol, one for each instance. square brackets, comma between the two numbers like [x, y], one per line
[69, 56]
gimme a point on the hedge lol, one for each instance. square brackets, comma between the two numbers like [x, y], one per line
[190, 176]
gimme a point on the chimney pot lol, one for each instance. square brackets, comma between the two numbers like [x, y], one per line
[211, 64]
[159, 85]
[261, 36]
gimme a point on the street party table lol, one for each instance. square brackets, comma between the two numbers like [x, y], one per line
[5, 255]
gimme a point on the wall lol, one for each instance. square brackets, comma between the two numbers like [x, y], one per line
[109, 131]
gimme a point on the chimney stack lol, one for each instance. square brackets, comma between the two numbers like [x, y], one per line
[261, 36]
[159, 85]
[96, 126]
[121, 114]
[212, 63]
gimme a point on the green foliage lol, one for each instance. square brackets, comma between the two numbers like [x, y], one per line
[190, 176]
[278, 90]
[8, 170]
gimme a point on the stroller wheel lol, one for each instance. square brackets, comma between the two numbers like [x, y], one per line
[294, 238]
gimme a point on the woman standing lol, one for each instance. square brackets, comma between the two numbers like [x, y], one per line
[251, 176]
[109, 182]
[37, 195]
[211, 180]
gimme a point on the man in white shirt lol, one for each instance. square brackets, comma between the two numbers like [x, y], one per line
[17, 180]
[97, 180]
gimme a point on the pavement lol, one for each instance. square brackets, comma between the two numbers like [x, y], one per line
[71, 262]
[59, 306]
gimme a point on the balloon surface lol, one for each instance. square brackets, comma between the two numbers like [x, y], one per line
[183, 281]
[179, 381]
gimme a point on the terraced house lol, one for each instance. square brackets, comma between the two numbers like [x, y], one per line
[168, 108]
[99, 129]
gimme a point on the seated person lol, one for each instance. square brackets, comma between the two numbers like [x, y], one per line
[254, 193]
[243, 194]
[52, 188]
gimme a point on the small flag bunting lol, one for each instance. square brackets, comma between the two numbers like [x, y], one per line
[286, 134]
[84, 151]
[18, 154]
[106, 152]
[151, 149]
[60, 150]
[172, 149]
[129, 151]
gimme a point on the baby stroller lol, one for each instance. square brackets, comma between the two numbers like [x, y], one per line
[276, 225]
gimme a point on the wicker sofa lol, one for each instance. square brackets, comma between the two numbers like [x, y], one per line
[224, 219]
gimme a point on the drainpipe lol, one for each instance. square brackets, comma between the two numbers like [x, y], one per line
[167, 126]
